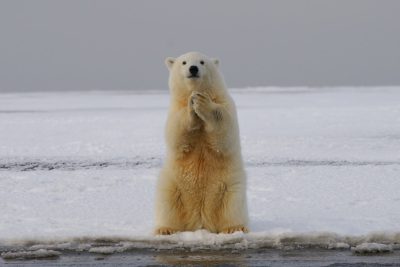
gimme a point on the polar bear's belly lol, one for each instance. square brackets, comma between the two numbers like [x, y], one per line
[202, 179]
[201, 166]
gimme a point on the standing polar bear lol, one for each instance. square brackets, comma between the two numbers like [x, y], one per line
[202, 184]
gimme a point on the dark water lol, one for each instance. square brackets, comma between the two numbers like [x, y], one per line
[313, 257]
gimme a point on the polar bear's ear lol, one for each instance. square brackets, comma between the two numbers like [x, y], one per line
[215, 61]
[169, 61]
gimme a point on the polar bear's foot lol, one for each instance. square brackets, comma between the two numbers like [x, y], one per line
[165, 231]
[236, 228]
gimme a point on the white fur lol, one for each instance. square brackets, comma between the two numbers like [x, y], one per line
[202, 184]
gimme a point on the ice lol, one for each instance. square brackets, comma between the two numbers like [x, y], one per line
[339, 245]
[372, 248]
[78, 170]
[36, 254]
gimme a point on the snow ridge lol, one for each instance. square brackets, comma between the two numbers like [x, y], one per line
[152, 162]
[203, 240]
[73, 165]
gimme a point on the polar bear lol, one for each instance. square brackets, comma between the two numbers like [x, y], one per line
[202, 184]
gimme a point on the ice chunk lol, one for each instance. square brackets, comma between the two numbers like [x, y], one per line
[372, 248]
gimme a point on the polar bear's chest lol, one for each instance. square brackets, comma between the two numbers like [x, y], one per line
[200, 160]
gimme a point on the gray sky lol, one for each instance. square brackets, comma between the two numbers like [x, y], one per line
[89, 45]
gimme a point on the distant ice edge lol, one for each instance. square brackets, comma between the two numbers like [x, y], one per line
[203, 240]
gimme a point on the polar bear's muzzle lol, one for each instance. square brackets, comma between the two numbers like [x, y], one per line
[194, 72]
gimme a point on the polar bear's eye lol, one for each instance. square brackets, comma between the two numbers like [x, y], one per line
[183, 62]
[202, 62]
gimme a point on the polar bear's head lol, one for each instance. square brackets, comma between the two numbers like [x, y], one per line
[193, 71]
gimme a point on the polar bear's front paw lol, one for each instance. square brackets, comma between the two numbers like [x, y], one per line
[232, 229]
[201, 104]
[197, 97]
[165, 231]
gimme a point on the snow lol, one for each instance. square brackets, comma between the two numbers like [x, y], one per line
[77, 168]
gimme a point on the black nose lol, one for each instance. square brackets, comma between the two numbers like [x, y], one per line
[193, 70]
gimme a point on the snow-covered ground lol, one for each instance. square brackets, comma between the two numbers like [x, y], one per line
[323, 168]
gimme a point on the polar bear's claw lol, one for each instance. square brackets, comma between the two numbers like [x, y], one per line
[165, 231]
[237, 228]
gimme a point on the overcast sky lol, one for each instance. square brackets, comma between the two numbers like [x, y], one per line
[115, 44]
